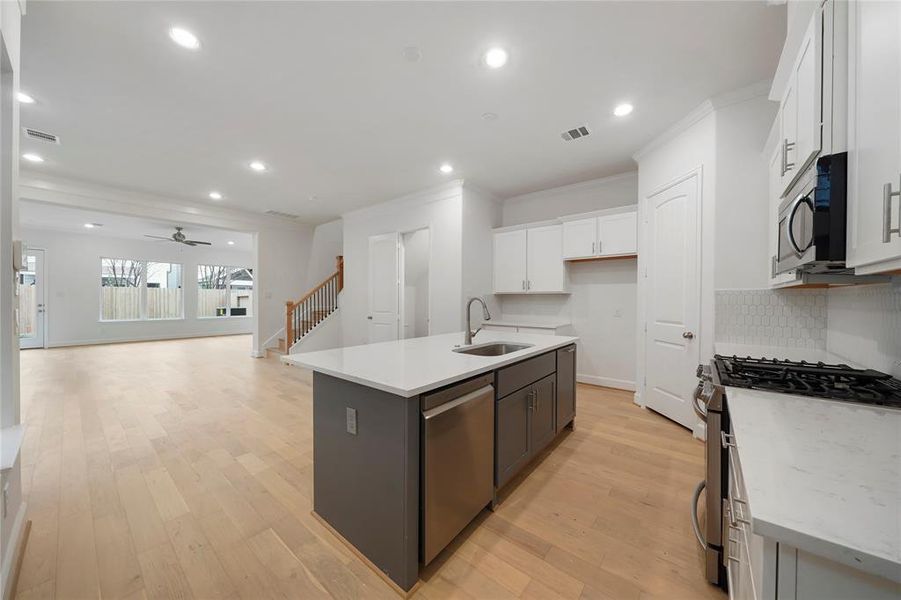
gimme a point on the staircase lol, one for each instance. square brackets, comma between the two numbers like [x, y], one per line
[315, 306]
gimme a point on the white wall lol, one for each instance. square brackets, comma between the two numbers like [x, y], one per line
[439, 209]
[328, 243]
[742, 195]
[597, 194]
[282, 256]
[416, 249]
[72, 288]
[12, 521]
[601, 306]
[481, 213]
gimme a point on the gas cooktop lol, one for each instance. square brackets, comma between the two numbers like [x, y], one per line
[834, 382]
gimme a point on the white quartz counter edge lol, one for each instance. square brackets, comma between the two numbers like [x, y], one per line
[411, 367]
[822, 476]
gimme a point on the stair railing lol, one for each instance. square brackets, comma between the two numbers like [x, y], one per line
[317, 304]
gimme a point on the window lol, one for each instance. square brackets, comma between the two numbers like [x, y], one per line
[120, 289]
[165, 297]
[224, 291]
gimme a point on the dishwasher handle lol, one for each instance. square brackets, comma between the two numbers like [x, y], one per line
[443, 408]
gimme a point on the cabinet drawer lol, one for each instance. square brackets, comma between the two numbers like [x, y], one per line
[514, 377]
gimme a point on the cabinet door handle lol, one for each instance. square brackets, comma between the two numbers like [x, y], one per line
[592, 247]
[887, 195]
[523, 284]
[786, 146]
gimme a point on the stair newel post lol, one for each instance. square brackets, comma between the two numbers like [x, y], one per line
[289, 324]
[340, 264]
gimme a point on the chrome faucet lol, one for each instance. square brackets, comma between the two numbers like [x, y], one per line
[469, 332]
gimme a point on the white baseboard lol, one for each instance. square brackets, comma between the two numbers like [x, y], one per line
[149, 338]
[700, 431]
[12, 554]
[257, 354]
[637, 399]
[620, 384]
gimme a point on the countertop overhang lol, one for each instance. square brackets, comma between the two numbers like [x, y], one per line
[822, 475]
[413, 366]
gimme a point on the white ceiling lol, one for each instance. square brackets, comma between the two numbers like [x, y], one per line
[61, 218]
[323, 93]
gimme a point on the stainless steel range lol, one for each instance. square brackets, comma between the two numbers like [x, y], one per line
[831, 382]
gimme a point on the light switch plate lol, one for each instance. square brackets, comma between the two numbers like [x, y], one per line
[352, 421]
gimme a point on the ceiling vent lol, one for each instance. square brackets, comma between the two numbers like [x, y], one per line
[283, 215]
[574, 134]
[41, 136]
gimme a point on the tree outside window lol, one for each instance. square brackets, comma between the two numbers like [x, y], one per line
[120, 289]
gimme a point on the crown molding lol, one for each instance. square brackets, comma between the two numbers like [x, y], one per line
[51, 189]
[704, 109]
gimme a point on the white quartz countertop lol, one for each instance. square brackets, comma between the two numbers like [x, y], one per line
[822, 476]
[413, 366]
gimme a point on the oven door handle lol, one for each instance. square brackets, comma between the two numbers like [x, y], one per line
[801, 199]
[695, 523]
[697, 404]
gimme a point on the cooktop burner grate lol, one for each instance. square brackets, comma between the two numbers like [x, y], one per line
[836, 382]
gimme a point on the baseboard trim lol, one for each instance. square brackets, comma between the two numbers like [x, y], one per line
[620, 384]
[137, 340]
[13, 563]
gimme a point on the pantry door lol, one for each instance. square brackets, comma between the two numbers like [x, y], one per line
[673, 300]
[30, 289]
[384, 282]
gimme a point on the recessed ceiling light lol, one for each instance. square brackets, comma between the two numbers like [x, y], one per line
[622, 110]
[184, 38]
[258, 166]
[215, 196]
[89, 225]
[489, 116]
[230, 243]
[24, 98]
[30, 157]
[412, 53]
[496, 58]
[446, 168]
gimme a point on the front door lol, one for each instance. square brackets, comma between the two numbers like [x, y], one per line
[31, 301]
[673, 303]
[384, 282]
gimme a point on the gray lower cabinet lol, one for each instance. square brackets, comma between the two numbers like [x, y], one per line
[512, 441]
[566, 386]
[542, 419]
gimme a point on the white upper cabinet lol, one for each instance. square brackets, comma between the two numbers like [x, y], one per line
[800, 110]
[874, 136]
[510, 261]
[618, 234]
[808, 94]
[580, 238]
[545, 271]
[614, 234]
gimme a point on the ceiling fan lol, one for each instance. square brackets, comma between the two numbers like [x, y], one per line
[180, 238]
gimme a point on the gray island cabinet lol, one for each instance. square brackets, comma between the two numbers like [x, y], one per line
[378, 429]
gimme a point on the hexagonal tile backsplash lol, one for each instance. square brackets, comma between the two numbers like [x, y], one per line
[786, 318]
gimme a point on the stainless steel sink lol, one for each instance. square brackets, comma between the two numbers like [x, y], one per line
[492, 349]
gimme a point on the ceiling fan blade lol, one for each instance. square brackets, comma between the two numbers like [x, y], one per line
[158, 237]
[196, 242]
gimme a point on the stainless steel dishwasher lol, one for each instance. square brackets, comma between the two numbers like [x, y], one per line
[457, 460]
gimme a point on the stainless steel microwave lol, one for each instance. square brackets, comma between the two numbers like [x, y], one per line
[813, 219]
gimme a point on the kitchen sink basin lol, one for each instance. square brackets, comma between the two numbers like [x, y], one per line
[492, 349]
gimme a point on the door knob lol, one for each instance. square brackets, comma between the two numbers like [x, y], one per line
[369, 317]
[688, 335]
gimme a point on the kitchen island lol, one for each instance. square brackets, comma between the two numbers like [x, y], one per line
[393, 474]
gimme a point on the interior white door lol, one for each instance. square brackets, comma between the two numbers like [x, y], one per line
[546, 271]
[874, 131]
[32, 308]
[618, 234]
[510, 261]
[673, 302]
[580, 238]
[384, 283]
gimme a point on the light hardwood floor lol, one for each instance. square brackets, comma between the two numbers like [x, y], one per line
[182, 469]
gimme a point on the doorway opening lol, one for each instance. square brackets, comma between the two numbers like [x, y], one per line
[30, 291]
[415, 252]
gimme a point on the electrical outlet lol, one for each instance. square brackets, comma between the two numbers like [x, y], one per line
[351, 421]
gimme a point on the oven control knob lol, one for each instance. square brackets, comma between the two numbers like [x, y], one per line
[699, 371]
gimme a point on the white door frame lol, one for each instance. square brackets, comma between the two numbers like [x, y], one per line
[704, 317]
[402, 275]
[39, 341]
